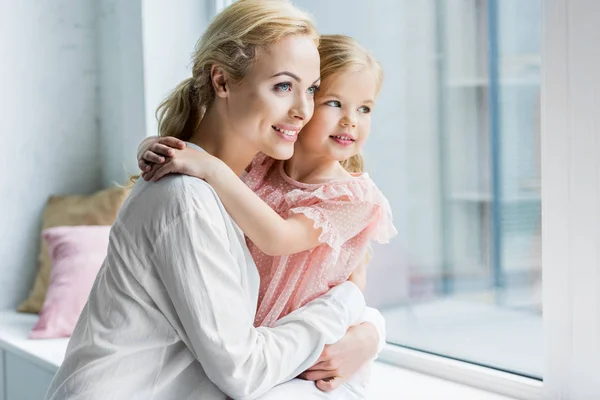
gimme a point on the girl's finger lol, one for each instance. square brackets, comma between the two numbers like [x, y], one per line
[150, 174]
[172, 142]
[162, 171]
[162, 150]
[143, 165]
[151, 157]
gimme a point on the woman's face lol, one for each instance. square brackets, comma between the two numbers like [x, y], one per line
[276, 98]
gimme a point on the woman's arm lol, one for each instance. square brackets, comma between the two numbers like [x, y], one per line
[272, 234]
[340, 361]
[194, 262]
[362, 343]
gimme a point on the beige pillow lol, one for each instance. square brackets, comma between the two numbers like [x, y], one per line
[100, 208]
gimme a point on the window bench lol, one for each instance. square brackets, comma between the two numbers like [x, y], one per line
[27, 367]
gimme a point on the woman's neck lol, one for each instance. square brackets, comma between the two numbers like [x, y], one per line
[215, 136]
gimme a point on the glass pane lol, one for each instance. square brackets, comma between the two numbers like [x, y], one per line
[455, 147]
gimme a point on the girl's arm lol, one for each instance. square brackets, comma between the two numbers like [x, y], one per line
[272, 234]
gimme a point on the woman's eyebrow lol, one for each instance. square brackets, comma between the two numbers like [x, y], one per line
[296, 77]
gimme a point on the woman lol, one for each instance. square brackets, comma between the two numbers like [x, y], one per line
[171, 313]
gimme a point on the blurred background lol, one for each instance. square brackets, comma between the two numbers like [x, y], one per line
[454, 146]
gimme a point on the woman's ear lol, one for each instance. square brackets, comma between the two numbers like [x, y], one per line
[219, 81]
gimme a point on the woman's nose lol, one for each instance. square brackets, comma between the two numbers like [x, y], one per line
[303, 108]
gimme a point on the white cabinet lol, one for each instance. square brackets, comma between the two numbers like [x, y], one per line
[2, 375]
[26, 366]
[23, 379]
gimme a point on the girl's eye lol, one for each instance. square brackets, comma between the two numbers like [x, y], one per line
[334, 103]
[283, 87]
[313, 89]
[364, 110]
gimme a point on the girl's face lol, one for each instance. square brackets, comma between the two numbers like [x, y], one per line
[342, 118]
[276, 97]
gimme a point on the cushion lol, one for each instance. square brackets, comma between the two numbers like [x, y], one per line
[77, 253]
[100, 208]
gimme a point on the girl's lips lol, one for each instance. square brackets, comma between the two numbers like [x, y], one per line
[342, 141]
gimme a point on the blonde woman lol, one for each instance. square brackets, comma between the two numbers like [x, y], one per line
[171, 313]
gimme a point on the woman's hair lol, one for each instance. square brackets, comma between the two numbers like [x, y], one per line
[230, 42]
[340, 53]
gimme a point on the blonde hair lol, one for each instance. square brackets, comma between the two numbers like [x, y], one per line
[340, 53]
[230, 42]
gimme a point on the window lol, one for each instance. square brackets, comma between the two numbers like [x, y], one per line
[455, 145]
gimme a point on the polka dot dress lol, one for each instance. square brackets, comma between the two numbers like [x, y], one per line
[351, 212]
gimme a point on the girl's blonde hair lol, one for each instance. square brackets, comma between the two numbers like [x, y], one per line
[340, 53]
[230, 42]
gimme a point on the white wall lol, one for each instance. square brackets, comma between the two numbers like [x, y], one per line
[170, 36]
[145, 50]
[80, 81]
[48, 124]
[121, 86]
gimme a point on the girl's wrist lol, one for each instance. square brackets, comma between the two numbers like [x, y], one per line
[216, 169]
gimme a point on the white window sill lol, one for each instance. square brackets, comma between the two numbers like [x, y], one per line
[387, 382]
[390, 382]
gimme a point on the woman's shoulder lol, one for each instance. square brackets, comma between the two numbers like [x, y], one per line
[170, 197]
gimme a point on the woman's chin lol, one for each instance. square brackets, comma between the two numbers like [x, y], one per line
[281, 151]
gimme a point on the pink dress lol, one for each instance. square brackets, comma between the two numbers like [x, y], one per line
[351, 213]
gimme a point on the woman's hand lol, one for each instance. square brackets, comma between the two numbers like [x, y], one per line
[340, 361]
[187, 161]
[154, 150]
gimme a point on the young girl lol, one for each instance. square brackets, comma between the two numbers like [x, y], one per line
[308, 220]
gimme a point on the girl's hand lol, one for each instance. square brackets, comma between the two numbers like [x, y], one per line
[187, 161]
[154, 150]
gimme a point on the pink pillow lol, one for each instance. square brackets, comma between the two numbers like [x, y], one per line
[77, 253]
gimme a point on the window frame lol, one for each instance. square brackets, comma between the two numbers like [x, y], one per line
[571, 198]
[570, 151]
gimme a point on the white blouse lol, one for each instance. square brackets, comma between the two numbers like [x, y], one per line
[171, 313]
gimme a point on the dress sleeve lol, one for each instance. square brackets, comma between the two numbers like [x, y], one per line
[345, 210]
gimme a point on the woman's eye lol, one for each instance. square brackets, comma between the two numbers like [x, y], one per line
[364, 110]
[313, 89]
[334, 103]
[283, 87]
